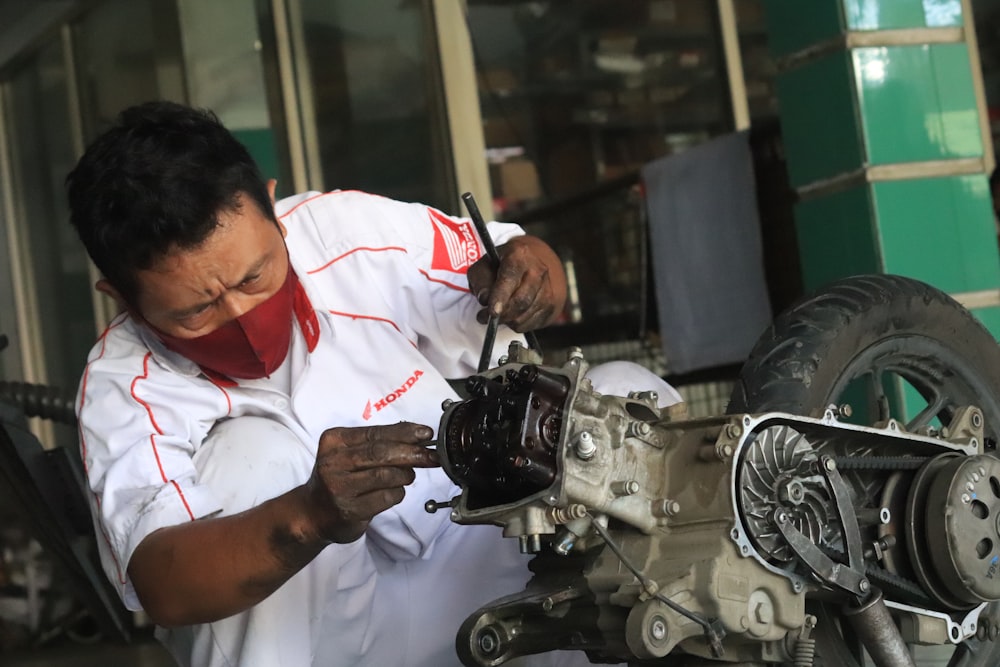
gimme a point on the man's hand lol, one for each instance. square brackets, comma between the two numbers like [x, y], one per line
[202, 571]
[529, 288]
[360, 472]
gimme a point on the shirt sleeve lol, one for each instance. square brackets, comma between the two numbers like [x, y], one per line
[136, 439]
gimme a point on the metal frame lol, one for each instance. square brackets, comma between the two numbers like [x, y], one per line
[740, 105]
[296, 96]
[465, 118]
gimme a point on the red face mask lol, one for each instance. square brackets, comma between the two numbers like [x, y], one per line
[249, 347]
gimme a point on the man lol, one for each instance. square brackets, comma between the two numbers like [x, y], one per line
[250, 421]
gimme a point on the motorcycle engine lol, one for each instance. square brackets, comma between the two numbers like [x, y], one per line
[703, 539]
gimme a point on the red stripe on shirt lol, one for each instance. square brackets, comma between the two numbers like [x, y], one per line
[349, 252]
[149, 410]
[83, 449]
[301, 203]
[183, 499]
[355, 316]
[324, 194]
[152, 436]
[444, 282]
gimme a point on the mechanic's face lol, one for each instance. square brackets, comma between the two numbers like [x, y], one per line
[192, 292]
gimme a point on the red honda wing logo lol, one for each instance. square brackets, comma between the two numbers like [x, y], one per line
[456, 246]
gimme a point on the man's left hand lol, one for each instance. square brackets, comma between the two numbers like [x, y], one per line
[527, 291]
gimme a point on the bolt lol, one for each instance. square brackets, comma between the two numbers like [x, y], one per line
[977, 419]
[734, 430]
[966, 498]
[665, 507]
[502, 360]
[575, 353]
[829, 464]
[625, 487]
[782, 517]
[845, 410]
[863, 585]
[446, 403]
[658, 628]
[489, 642]
[639, 429]
[726, 451]
[547, 604]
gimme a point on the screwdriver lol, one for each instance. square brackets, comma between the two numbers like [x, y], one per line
[494, 255]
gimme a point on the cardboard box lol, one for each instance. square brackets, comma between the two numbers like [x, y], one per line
[498, 79]
[693, 15]
[517, 180]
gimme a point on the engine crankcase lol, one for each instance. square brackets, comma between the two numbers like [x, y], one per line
[694, 506]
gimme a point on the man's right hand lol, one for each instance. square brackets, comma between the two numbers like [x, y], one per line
[205, 570]
[361, 472]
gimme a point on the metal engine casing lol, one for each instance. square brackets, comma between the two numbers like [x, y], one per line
[663, 486]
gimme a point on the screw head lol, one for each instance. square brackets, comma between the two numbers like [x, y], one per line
[657, 628]
[488, 642]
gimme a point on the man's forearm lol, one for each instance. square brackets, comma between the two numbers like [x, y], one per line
[210, 569]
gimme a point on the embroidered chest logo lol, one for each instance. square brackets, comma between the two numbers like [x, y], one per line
[456, 246]
[392, 396]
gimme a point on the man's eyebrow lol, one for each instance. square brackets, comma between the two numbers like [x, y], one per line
[251, 272]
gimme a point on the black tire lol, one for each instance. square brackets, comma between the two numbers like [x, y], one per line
[856, 333]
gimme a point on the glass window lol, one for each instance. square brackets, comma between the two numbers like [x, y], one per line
[378, 104]
[582, 92]
[576, 97]
[127, 51]
[225, 73]
[54, 265]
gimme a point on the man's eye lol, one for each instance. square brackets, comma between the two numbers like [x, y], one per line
[193, 314]
[250, 280]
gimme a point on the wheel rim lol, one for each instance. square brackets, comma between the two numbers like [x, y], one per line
[945, 382]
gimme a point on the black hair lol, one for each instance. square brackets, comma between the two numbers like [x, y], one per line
[157, 180]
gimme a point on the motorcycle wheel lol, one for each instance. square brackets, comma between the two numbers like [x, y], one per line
[869, 340]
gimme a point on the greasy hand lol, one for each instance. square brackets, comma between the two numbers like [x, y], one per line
[361, 472]
[527, 291]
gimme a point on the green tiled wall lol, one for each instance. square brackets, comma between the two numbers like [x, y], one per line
[917, 103]
[897, 14]
[939, 230]
[848, 111]
[818, 119]
[836, 237]
[797, 24]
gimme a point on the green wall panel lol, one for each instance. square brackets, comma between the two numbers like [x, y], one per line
[898, 14]
[792, 25]
[939, 230]
[909, 116]
[836, 237]
[819, 121]
[261, 145]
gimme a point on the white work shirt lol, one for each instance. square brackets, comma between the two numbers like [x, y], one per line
[387, 283]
